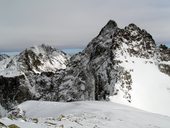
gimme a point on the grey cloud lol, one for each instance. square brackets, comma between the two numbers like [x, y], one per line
[73, 23]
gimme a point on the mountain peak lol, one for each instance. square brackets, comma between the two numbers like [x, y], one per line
[132, 28]
[43, 58]
[132, 25]
[110, 26]
[43, 48]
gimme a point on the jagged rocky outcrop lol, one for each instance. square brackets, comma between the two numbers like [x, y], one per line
[96, 73]
[165, 58]
[164, 53]
[93, 73]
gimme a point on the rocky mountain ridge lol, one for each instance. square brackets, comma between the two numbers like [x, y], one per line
[104, 70]
[95, 71]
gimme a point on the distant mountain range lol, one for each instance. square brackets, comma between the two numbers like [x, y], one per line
[121, 65]
[70, 51]
[36, 59]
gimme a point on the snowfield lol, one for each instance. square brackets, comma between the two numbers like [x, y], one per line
[86, 114]
[150, 87]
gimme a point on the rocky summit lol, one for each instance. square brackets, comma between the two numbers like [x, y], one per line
[120, 64]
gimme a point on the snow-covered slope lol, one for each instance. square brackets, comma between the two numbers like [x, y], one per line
[83, 115]
[36, 59]
[150, 87]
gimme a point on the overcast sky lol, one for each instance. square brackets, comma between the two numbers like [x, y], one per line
[73, 23]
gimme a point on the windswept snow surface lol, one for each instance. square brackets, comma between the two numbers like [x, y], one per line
[85, 114]
[150, 88]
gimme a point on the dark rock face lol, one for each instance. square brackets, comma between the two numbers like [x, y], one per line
[165, 68]
[110, 26]
[13, 91]
[164, 53]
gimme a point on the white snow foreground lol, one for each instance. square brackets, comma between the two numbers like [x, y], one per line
[86, 114]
